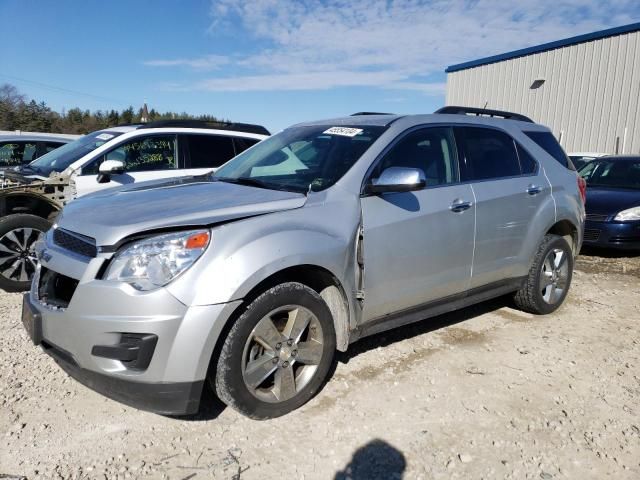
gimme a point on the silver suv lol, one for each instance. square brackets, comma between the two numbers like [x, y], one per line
[249, 279]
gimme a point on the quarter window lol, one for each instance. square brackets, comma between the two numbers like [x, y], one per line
[432, 150]
[209, 151]
[488, 154]
[549, 144]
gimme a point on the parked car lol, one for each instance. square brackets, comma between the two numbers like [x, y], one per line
[21, 148]
[613, 202]
[250, 278]
[579, 159]
[32, 195]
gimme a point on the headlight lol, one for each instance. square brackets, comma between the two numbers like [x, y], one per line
[628, 214]
[155, 261]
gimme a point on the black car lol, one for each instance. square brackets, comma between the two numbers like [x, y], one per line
[613, 202]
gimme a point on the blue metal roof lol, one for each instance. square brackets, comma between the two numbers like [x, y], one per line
[588, 37]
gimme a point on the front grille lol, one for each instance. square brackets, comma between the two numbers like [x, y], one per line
[54, 289]
[621, 239]
[597, 217]
[591, 235]
[75, 242]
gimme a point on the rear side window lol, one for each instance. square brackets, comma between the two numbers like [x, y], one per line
[488, 154]
[527, 163]
[209, 151]
[549, 144]
[241, 144]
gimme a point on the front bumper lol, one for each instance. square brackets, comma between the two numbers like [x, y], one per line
[609, 234]
[100, 312]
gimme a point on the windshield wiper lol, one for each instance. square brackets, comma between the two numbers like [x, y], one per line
[250, 182]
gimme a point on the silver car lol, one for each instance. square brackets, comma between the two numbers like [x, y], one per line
[248, 280]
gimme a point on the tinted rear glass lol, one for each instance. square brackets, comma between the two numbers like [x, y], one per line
[488, 154]
[242, 144]
[209, 151]
[549, 144]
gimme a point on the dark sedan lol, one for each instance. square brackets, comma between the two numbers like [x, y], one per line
[613, 202]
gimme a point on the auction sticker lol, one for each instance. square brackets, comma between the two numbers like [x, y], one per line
[104, 136]
[344, 131]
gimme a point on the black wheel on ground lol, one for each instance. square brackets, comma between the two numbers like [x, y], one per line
[549, 277]
[18, 235]
[277, 354]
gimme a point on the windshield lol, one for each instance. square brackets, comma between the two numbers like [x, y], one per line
[59, 159]
[300, 158]
[614, 173]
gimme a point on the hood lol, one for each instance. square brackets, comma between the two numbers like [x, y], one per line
[608, 201]
[111, 215]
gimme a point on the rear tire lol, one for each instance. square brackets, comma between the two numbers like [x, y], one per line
[549, 277]
[277, 354]
[18, 235]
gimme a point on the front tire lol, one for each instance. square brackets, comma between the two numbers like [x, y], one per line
[549, 277]
[277, 354]
[18, 235]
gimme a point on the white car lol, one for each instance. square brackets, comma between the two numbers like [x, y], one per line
[31, 195]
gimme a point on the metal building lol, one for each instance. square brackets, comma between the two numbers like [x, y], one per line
[585, 88]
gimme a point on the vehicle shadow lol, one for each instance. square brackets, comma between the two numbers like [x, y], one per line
[210, 407]
[608, 253]
[375, 460]
[424, 326]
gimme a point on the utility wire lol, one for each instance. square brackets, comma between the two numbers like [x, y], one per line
[66, 90]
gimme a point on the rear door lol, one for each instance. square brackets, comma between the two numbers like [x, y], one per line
[417, 246]
[509, 188]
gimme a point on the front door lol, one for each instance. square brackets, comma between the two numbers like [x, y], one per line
[150, 157]
[418, 246]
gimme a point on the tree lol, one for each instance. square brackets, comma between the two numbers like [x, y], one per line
[17, 112]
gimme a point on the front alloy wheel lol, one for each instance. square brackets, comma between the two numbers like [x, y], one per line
[277, 353]
[282, 353]
[18, 236]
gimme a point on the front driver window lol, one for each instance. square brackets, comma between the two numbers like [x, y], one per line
[432, 150]
[157, 152]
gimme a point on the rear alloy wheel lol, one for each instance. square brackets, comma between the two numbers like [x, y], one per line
[18, 236]
[277, 354]
[549, 277]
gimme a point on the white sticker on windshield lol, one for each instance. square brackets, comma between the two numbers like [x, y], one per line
[104, 136]
[344, 131]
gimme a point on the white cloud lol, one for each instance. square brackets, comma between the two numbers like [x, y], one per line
[208, 62]
[395, 44]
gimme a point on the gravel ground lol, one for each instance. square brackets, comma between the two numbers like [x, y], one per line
[487, 392]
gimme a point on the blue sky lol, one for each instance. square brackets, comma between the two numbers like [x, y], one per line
[274, 62]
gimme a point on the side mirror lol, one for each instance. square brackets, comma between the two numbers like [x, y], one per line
[398, 179]
[108, 168]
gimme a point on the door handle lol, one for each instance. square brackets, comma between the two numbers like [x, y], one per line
[533, 189]
[459, 206]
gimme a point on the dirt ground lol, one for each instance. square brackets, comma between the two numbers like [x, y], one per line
[488, 392]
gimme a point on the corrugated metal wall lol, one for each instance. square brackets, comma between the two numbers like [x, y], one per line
[590, 98]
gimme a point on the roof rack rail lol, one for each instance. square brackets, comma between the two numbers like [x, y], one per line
[370, 113]
[239, 127]
[483, 112]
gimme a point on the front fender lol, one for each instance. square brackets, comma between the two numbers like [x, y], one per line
[243, 254]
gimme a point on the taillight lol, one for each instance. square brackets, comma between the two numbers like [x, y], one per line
[582, 186]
